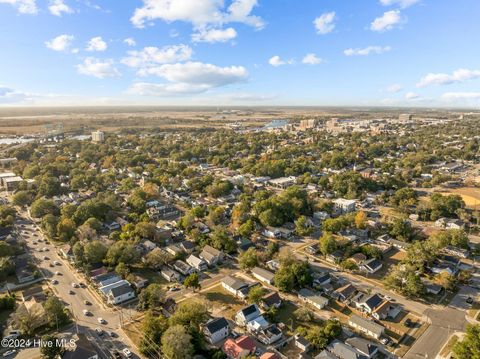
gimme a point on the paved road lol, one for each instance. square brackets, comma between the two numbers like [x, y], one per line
[45, 255]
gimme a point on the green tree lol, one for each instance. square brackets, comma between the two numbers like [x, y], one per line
[190, 312]
[192, 281]
[153, 327]
[176, 343]
[56, 312]
[94, 252]
[255, 295]
[66, 229]
[151, 297]
[302, 227]
[42, 206]
[51, 348]
[469, 347]
[22, 198]
[248, 259]
[327, 244]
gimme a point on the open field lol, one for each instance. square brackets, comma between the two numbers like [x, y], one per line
[471, 195]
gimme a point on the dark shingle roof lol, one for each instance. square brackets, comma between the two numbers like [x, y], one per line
[216, 324]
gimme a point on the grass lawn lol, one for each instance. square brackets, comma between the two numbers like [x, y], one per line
[223, 302]
[449, 346]
[151, 275]
[285, 315]
[133, 331]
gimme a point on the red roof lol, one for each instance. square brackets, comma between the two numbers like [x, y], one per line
[244, 345]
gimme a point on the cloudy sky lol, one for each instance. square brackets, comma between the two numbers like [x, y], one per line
[240, 52]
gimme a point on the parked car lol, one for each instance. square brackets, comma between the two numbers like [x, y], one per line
[86, 312]
[469, 300]
[127, 352]
[74, 285]
[99, 331]
[54, 281]
[116, 355]
[101, 320]
[408, 322]
[87, 302]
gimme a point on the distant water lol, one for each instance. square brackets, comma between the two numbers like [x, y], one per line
[14, 140]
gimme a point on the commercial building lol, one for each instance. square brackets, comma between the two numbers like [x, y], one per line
[98, 136]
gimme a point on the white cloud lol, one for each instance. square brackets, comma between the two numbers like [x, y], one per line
[311, 59]
[214, 35]
[129, 41]
[189, 77]
[412, 96]
[9, 95]
[367, 50]
[402, 3]
[96, 44]
[394, 88]
[22, 6]
[277, 61]
[60, 43]
[455, 96]
[153, 56]
[325, 23]
[98, 68]
[458, 76]
[57, 7]
[200, 13]
[387, 21]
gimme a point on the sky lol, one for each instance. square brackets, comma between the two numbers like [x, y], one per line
[418, 53]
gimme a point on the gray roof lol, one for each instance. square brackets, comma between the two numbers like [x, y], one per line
[362, 345]
[344, 351]
[216, 324]
[234, 283]
[263, 273]
[123, 289]
[366, 324]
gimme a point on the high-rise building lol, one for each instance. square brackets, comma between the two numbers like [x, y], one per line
[98, 136]
[307, 124]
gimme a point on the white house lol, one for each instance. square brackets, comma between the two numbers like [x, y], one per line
[343, 205]
[312, 298]
[263, 275]
[216, 330]
[120, 294]
[247, 314]
[366, 326]
[198, 263]
[235, 286]
[211, 255]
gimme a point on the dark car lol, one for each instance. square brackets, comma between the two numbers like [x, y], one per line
[469, 300]
[408, 322]
[116, 355]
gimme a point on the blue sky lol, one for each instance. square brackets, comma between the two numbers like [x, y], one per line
[240, 52]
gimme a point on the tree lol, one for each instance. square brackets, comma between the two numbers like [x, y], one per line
[157, 258]
[51, 347]
[248, 259]
[360, 220]
[328, 244]
[255, 295]
[122, 270]
[49, 225]
[445, 280]
[190, 312]
[246, 229]
[176, 343]
[43, 206]
[151, 297]
[122, 252]
[302, 227]
[22, 198]
[66, 229]
[303, 314]
[153, 327]
[469, 347]
[403, 230]
[55, 311]
[94, 252]
[192, 281]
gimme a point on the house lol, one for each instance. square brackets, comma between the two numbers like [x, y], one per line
[269, 355]
[235, 286]
[358, 258]
[344, 293]
[271, 232]
[183, 268]
[365, 347]
[271, 300]
[335, 257]
[139, 282]
[302, 343]
[456, 251]
[366, 326]
[211, 255]
[370, 303]
[112, 226]
[325, 354]
[257, 324]
[216, 329]
[105, 279]
[23, 269]
[197, 263]
[173, 250]
[263, 275]
[342, 350]
[187, 246]
[282, 182]
[371, 266]
[386, 310]
[170, 275]
[84, 349]
[34, 310]
[239, 348]
[118, 292]
[342, 205]
[312, 298]
[321, 278]
[270, 335]
[247, 314]
[35, 292]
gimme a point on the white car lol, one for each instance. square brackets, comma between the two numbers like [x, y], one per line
[127, 352]
[54, 281]
[101, 320]
[74, 285]
[86, 312]
[57, 263]
[10, 352]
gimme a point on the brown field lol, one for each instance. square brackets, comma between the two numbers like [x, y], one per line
[471, 195]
